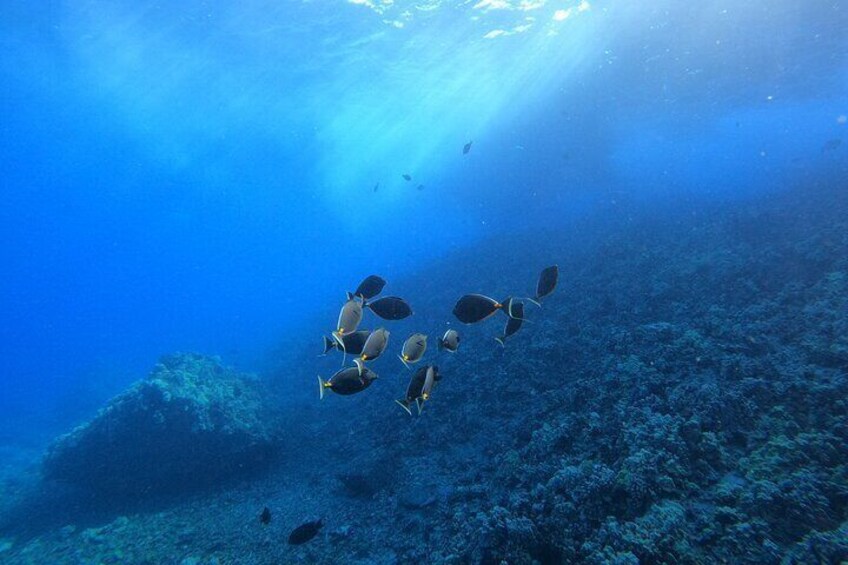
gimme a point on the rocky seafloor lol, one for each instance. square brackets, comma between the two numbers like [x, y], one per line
[682, 398]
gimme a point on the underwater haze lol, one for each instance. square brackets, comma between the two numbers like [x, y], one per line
[189, 190]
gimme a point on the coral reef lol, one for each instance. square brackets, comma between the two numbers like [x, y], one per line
[192, 421]
[681, 399]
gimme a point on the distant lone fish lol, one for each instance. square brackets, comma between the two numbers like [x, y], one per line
[348, 343]
[370, 287]
[450, 341]
[467, 148]
[473, 308]
[347, 381]
[407, 177]
[413, 349]
[831, 144]
[390, 308]
[376, 187]
[265, 517]
[305, 532]
[546, 285]
[373, 348]
[513, 324]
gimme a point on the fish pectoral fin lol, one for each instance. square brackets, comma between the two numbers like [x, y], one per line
[405, 406]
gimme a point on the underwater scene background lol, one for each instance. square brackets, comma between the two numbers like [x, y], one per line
[189, 191]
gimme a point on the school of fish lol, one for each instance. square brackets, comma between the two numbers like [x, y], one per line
[367, 345]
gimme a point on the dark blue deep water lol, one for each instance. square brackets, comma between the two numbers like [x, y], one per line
[187, 191]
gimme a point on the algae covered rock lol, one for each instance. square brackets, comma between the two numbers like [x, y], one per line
[191, 422]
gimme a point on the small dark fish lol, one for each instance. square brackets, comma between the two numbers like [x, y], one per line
[516, 317]
[420, 387]
[407, 177]
[347, 381]
[370, 287]
[467, 148]
[413, 349]
[376, 187]
[547, 283]
[831, 144]
[349, 317]
[305, 532]
[390, 308]
[450, 341]
[373, 348]
[473, 308]
[265, 517]
[349, 343]
[420, 187]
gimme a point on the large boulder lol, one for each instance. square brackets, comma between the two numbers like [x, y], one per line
[190, 423]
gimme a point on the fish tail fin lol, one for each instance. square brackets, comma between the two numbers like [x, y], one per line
[500, 341]
[405, 405]
[322, 384]
[419, 405]
[328, 345]
[402, 360]
[535, 301]
[349, 295]
[341, 346]
[359, 365]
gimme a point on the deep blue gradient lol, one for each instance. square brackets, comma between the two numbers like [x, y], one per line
[199, 176]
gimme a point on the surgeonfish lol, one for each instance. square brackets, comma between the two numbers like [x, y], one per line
[349, 317]
[514, 321]
[407, 177]
[347, 381]
[370, 287]
[348, 343]
[305, 532]
[373, 348]
[473, 308]
[449, 341]
[390, 308]
[420, 387]
[466, 148]
[546, 285]
[413, 349]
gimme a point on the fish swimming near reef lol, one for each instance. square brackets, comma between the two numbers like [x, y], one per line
[373, 348]
[305, 532]
[473, 308]
[407, 177]
[413, 349]
[347, 381]
[390, 308]
[349, 317]
[420, 388]
[449, 341]
[370, 287]
[547, 283]
[348, 343]
[513, 323]
[265, 516]
[467, 147]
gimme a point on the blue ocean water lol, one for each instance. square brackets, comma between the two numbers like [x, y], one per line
[212, 177]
